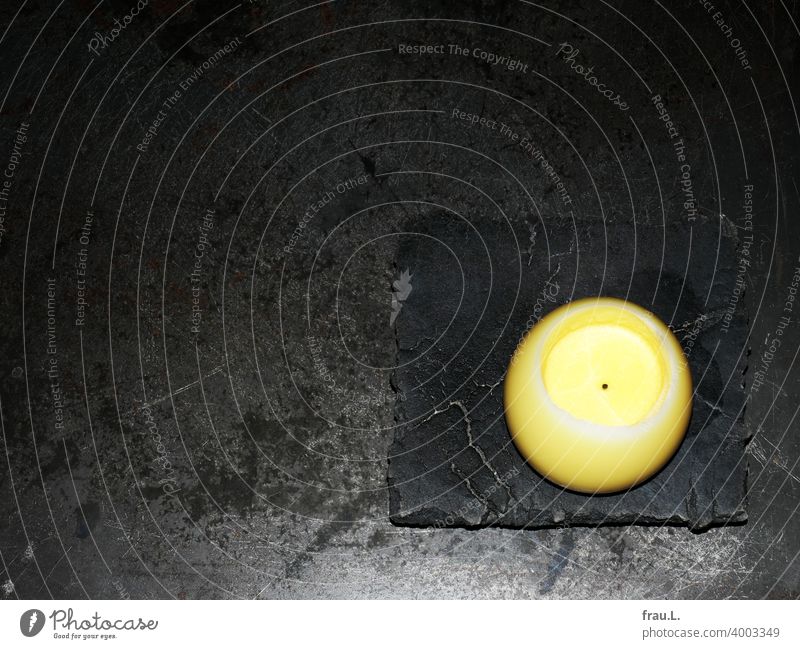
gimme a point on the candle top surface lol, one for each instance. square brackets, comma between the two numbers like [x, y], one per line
[611, 373]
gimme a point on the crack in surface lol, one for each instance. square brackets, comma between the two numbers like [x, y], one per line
[714, 408]
[705, 320]
[468, 483]
[491, 386]
[479, 450]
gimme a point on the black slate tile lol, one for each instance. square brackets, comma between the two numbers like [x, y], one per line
[477, 286]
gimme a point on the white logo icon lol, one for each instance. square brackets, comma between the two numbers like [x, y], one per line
[402, 289]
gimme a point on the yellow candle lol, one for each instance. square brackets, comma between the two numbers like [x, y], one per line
[598, 395]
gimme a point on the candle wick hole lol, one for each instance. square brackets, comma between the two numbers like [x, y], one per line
[605, 386]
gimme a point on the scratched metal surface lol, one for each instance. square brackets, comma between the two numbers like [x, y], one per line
[249, 459]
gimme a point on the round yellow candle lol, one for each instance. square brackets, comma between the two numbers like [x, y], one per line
[598, 395]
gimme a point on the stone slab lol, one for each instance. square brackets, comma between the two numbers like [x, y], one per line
[476, 286]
